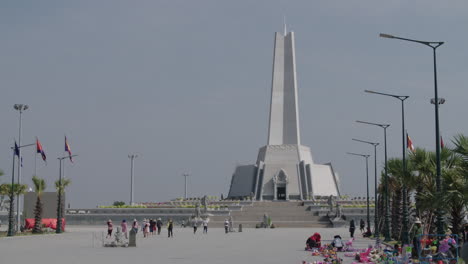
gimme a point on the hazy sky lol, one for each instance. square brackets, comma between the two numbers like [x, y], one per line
[186, 86]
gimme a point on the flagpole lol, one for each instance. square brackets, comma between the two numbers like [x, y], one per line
[35, 163]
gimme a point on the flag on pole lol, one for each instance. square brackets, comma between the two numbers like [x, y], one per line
[17, 151]
[409, 143]
[442, 145]
[67, 149]
[40, 150]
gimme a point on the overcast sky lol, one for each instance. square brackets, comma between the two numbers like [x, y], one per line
[186, 86]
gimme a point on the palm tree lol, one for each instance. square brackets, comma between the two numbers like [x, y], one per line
[395, 184]
[39, 186]
[60, 186]
[6, 189]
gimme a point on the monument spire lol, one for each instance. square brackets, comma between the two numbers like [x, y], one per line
[284, 26]
[284, 117]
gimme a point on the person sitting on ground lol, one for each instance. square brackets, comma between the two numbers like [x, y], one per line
[396, 250]
[337, 242]
[314, 241]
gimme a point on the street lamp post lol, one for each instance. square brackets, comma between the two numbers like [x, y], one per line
[185, 193]
[386, 196]
[402, 98]
[367, 183]
[434, 45]
[132, 158]
[376, 213]
[11, 218]
[20, 108]
[60, 190]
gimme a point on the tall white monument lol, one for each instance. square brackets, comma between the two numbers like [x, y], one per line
[285, 169]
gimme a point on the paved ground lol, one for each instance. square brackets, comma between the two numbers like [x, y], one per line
[251, 246]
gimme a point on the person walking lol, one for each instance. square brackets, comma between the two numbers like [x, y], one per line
[135, 226]
[146, 228]
[194, 224]
[110, 227]
[123, 225]
[151, 226]
[159, 225]
[205, 225]
[352, 228]
[226, 226]
[362, 225]
[417, 232]
[170, 226]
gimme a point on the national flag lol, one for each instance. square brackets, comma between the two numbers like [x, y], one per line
[40, 150]
[409, 143]
[67, 149]
[17, 151]
[442, 145]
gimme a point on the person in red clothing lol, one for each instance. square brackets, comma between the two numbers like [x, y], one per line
[314, 241]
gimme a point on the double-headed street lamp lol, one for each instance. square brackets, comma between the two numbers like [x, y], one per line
[376, 213]
[402, 98]
[367, 183]
[386, 196]
[60, 190]
[434, 45]
[20, 108]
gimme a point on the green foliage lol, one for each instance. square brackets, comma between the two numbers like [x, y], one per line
[123, 206]
[18, 189]
[118, 203]
[61, 187]
[39, 185]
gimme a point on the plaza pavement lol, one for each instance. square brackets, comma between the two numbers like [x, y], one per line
[250, 246]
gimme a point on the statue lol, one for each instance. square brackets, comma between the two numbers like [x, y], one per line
[204, 204]
[338, 211]
[265, 220]
[231, 223]
[119, 240]
[197, 211]
[330, 203]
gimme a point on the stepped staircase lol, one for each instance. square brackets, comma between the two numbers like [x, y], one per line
[282, 214]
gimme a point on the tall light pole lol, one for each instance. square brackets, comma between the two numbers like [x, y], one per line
[185, 193]
[60, 191]
[376, 213]
[402, 98]
[434, 45]
[132, 158]
[386, 196]
[20, 108]
[367, 183]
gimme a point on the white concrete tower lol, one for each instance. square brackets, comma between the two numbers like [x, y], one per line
[284, 114]
[284, 169]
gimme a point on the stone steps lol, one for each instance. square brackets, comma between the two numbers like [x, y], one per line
[278, 224]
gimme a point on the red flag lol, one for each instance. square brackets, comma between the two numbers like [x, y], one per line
[409, 143]
[39, 149]
[67, 149]
[442, 145]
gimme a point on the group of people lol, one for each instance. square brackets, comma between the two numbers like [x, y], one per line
[148, 227]
[362, 225]
[151, 227]
[315, 241]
